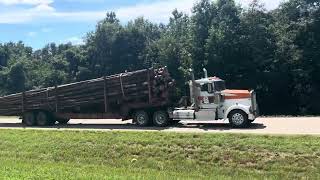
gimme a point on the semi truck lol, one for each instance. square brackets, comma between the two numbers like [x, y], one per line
[143, 96]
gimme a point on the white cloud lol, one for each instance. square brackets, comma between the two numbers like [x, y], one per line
[26, 2]
[32, 34]
[158, 11]
[74, 40]
[46, 29]
[43, 8]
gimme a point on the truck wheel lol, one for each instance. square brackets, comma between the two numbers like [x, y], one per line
[43, 119]
[238, 119]
[141, 118]
[161, 119]
[29, 119]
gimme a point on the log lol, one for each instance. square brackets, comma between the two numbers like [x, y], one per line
[143, 85]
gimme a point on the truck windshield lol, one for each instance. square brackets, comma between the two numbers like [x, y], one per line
[207, 88]
[219, 85]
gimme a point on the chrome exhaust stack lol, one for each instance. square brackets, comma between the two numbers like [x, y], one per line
[194, 93]
[205, 73]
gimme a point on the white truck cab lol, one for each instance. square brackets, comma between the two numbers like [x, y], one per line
[212, 101]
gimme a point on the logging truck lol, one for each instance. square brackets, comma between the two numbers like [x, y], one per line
[143, 96]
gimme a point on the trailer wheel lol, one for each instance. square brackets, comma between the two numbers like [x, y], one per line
[29, 119]
[238, 119]
[161, 119]
[43, 119]
[141, 118]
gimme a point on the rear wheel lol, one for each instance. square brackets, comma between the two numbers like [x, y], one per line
[161, 119]
[43, 119]
[141, 118]
[238, 119]
[29, 119]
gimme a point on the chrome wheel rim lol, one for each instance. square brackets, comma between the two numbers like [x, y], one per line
[141, 118]
[160, 118]
[237, 119]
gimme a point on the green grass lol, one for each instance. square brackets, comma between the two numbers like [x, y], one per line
[28, 154]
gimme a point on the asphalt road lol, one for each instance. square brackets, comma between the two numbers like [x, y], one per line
[276, 125]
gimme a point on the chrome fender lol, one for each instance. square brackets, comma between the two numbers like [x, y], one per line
[244, 108]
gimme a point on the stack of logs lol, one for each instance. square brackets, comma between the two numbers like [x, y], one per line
[147, 85]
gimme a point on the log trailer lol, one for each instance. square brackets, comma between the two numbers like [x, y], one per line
[143, 96]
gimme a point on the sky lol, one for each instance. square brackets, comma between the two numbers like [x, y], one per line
[39, 22]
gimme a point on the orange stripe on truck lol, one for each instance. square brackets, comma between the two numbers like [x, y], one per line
[236, 94]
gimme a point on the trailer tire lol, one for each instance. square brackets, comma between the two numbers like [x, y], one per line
[29, 119]
[43, 119]
[161, 119]
[141, 118]
[238, 119]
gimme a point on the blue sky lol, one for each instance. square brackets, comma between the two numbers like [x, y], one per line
[39, 22]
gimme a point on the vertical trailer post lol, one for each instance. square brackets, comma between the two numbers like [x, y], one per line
[22, 102]
[105, 94]
[47, 98]
[56, 98]
[121, 84]
[149, 87]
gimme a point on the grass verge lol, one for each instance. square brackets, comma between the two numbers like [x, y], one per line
[32, 154]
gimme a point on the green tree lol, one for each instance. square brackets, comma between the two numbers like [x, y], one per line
[130, 45]
[100, 45]
[201, 22]
[173, 49]
[16, 78]
[224, 53]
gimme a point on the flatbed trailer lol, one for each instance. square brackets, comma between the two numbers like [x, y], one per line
[129, 95]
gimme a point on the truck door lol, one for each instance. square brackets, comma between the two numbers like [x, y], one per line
[206, 97]
[206, 103]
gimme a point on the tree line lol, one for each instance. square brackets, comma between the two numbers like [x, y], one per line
[276, 52]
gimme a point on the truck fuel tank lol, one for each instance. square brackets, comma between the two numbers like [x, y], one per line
[183, 114]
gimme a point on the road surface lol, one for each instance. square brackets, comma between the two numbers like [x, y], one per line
[276, 125]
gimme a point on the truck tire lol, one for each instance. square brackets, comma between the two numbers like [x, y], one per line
[63, 121]
[161, 119]
[29, 119]
[238, 119]
[141, 118]
[43, 119]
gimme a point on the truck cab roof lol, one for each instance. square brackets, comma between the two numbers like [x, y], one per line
[208, 80]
